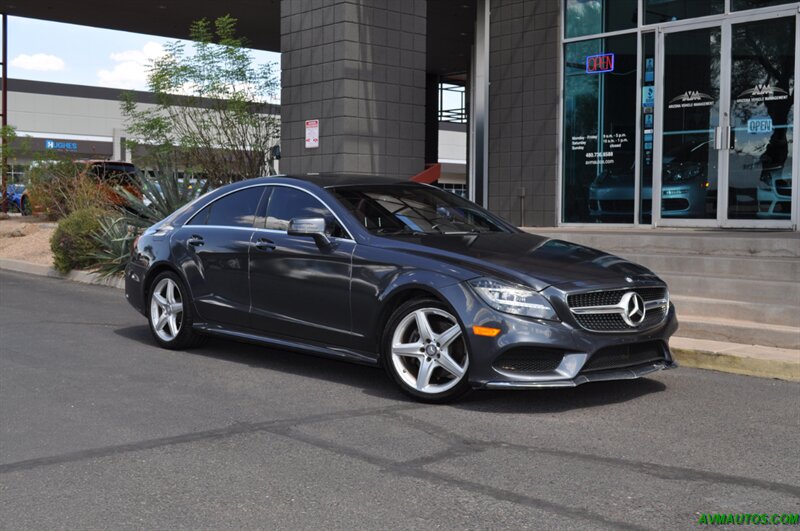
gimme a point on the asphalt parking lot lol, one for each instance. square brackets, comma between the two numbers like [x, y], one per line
[99, 428]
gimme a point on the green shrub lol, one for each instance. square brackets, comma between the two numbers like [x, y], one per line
[73, 243]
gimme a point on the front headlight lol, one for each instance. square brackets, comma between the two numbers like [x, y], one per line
[512, 298]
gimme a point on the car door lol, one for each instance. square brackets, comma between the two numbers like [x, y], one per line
[300, 289]
[215, 245]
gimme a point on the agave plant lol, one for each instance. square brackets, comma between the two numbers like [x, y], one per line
[161, 195]
[114, 241]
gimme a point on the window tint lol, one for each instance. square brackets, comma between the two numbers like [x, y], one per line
[261, 215]
[286, 204]
[412, 208]
[201, 217]
[234, 210]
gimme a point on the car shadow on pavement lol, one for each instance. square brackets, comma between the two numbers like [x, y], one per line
[556, 400]
[374, 382]
[370, 379]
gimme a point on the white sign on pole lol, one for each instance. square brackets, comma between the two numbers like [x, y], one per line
[312, 134]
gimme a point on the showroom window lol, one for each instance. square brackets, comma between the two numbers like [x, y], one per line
[588, 17]
[737, 5]
[599, 130]
[658, 11]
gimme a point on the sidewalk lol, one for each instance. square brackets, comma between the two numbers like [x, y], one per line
[750, 360]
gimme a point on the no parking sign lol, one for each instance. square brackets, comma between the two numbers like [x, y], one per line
[312, 134]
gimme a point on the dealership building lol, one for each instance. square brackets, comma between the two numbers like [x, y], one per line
[659, 130]
[629, 113]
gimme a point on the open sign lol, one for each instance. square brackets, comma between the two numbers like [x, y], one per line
[597, 64]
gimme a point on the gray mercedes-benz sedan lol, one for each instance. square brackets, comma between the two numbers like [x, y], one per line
[441, 293]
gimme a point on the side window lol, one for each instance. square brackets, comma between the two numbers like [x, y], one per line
[286, 204]
[261, 215]
[234, 210]
[201, 217]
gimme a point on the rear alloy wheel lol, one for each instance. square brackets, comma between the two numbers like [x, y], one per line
[425, 351]
[170, 313]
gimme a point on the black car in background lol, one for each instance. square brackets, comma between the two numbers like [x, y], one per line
[441, 293]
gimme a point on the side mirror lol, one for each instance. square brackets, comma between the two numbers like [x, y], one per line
[314, 227]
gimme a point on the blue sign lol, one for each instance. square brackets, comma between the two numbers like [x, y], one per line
[648, 96]
[649, 70]
[597, 64]
[64, 146]
[759, 125]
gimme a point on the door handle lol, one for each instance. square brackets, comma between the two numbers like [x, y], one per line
[263, 244]
[195, 240]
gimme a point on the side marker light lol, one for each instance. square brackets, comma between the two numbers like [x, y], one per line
[485, 331]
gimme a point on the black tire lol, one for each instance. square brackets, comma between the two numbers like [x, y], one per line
[448, 362]
[186, 336]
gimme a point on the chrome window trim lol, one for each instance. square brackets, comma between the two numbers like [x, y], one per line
[276, 231]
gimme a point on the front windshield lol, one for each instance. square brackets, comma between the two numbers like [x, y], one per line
[397, 209]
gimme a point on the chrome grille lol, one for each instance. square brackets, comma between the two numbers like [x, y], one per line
[608, 298]
[603, 311]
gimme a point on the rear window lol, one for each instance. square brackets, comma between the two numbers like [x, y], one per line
[233, 210]
[114, 172]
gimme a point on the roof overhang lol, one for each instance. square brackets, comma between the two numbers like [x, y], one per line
[451, 23]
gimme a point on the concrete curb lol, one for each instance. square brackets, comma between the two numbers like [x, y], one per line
[727, 362]
[84, 277]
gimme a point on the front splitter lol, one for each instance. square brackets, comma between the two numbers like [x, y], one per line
[628, 373]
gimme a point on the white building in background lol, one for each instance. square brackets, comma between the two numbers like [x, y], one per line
[86, 122]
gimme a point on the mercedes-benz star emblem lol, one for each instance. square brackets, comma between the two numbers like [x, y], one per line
[633, 308]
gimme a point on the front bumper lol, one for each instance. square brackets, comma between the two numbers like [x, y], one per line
[630, 373]
[581, 356]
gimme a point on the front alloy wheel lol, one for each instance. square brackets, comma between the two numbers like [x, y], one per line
[427, 354]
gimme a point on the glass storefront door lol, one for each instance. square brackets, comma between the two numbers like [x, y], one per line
[690, 123]
[761, 120]
[724, 151]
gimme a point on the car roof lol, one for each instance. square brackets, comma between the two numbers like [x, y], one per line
[330, 180]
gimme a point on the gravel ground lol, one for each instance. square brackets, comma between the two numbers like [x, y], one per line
[26, 239]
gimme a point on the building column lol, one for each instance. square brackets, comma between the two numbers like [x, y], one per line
[523, 110]
[357, 66]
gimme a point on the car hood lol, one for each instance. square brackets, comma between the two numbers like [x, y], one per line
[536, 261]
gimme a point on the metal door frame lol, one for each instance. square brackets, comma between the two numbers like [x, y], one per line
[725, 24]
